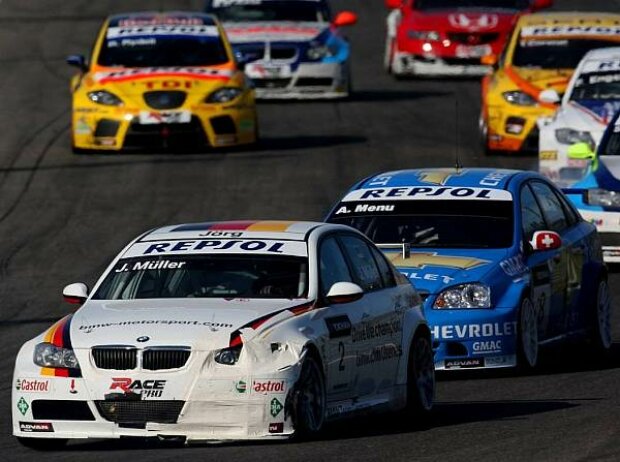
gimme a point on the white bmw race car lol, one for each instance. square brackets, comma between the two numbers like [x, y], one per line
[589, 104]
[227, 331]
[290, 48]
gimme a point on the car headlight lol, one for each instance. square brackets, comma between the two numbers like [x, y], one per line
[318, 52]
[570, 136]
[519, 98]
[430, 35]
[224, 95]
[228, 356]
[105, 97]
[603, 198]
[464, 296]
[48, 355]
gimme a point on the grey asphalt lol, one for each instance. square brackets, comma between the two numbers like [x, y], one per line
[63, 217]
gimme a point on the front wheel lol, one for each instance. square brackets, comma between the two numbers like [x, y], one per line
[527, 338]
[601, 332]
[42, 444]
[309, 400]
[421, 377]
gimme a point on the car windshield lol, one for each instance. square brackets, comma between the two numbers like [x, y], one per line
[162, 46]
[426, 5]
[202, 276]
[553, 53]
[269, 10]
[597, 86]
[450, 224]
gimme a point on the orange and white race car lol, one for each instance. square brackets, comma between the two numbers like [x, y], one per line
[533, 72]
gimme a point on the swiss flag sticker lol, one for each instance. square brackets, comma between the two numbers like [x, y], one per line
[546, 240]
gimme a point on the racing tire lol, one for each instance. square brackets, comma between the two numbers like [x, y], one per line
[388, 59]
[420, 379]
[483, 130]
[309, 399]
[43, 444]
[600, 336]
[527, 336]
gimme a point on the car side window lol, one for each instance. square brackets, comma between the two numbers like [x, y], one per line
[572, 216]
[332, 265]
[551, 206]
[384, 268]
[362, 262]
[531, 215]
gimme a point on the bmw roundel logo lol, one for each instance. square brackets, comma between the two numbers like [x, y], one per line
[143, 339]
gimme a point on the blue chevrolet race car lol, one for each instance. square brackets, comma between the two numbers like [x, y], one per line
[504, 262]
[290, 48]
[597, 194]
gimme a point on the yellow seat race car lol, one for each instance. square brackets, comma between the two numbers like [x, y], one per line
[533, 72]
[161, 80]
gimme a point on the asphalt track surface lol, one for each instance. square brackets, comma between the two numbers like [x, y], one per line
[63, 217]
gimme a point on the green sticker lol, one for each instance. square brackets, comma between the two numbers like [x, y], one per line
[276, 407]
[23, 407]
[241, 386]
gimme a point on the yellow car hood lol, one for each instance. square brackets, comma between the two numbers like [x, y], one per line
[556, 79]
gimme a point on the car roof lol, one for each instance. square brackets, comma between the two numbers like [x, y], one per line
[603, 53]
[570, 18]
[479, 177]
[268, 229]
[159, 17]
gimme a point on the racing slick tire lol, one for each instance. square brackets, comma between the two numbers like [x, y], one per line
[388, 59]
[600, 335]
[420, 378]
[309, 399]
[42, 444]
[527, 336]
[483, 131]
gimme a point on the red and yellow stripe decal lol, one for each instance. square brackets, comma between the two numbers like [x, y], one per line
[528, 87]
[59, 335]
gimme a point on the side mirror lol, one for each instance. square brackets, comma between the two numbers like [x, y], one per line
[545, 240]
[344, 292]
[489, 60]
[393, 4]
[541, 4]
[76, 293]
[581, 151]
[78, 61]
[549, 96]
[345, 18]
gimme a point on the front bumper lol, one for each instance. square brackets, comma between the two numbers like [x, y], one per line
[116, 129]
[513, 130]
[409, 64]
[307, 81]
[473, 339]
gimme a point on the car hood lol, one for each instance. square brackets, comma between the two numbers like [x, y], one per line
[202, 324]
[282, 31]
[556, 79]
[136, 81]
[432, 270]
[590, 113]
[607, 173]
[462, 20]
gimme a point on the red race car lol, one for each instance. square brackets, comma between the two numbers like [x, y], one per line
[449, 37]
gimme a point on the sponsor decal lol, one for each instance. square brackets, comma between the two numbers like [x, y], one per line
[562, 31]
[463, 331]
[161, 20]
[275, 407]
[166, 30]
[548, 155]
[514, 266]
[72, 388]
[214, 245]
[428, 193]
[369, 331]
[437, 177]
[161, 72]
[426, 277]
[227, 3]
[150, 265]
[82, 127]
[241, 386]
[213, 326]
[33, 385]
[22, 406]
[493, 179]
[492, 346]
[378, 354]
[34, 427]
[277, 427]
[423, 259]
[338, 326]
[464, 363]
[269, 386]
[144, 388]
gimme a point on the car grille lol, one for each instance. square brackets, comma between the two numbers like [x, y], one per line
[281, 52]
[140, 412]
[271, 83]
[165, 99]
[158, 136]
[473, 39]
[153, 359]
[158, 359]
[249, 53]
[119, 358]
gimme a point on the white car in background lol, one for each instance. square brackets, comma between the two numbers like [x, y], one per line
[590, 102]
[227, 331]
